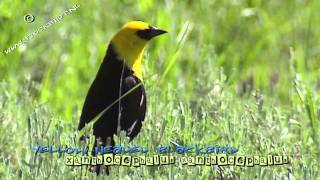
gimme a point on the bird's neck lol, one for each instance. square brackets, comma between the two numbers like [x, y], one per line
[137, 66]
[131, 55]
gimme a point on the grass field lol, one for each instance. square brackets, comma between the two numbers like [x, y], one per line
[243, 73]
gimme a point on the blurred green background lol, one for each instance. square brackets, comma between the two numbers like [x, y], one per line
[240, 72]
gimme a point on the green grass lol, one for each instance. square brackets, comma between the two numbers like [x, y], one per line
[239, 73]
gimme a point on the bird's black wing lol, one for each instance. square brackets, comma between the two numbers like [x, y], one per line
[133, 106]
[102, 93]
[93, 105]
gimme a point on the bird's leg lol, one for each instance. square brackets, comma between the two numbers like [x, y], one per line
[98, 143]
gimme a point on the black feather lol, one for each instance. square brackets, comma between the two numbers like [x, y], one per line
[104, 91]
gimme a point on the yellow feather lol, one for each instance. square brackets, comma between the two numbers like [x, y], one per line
[130, 47]
[138, 25]
[137, 66]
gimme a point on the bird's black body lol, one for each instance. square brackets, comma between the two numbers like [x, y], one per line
[117, 91]
[114, 79]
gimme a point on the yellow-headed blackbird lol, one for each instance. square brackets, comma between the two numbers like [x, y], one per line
[120, 71]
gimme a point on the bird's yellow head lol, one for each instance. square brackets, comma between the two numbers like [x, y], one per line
[130, 41]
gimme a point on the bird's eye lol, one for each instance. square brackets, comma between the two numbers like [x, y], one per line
[150, 33]
[145, 34]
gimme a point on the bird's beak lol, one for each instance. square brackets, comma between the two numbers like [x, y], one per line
[150, 33]
[156, 32]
